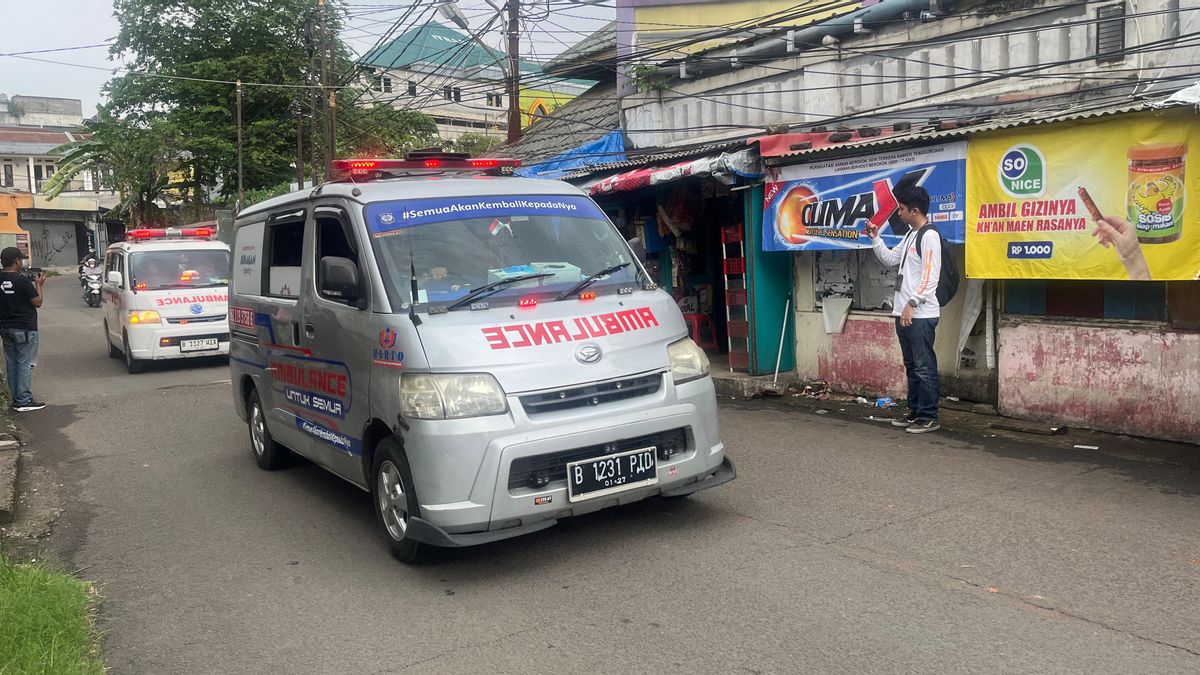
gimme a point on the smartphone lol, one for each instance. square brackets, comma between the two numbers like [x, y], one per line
[33, 271]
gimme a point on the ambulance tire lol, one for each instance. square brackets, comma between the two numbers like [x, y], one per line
[134, 366]
[391, 471]
[113, 352]
[268, 454]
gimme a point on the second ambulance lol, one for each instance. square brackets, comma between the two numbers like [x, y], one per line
[165, 296]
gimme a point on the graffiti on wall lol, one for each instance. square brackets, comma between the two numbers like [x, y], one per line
[51, 243]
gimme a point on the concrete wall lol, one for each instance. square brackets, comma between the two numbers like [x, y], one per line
[1138, 380]
[865, 357]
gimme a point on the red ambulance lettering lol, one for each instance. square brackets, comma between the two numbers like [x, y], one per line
[582, 328]
[519, 329]
[558, 331]
[538, 333]
[611, 324]
[495, 337]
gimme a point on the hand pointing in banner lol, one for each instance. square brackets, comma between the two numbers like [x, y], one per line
[1113, 231]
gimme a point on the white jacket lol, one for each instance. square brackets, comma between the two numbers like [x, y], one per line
[919, 272]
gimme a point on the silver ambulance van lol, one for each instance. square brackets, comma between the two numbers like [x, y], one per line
[484, 354]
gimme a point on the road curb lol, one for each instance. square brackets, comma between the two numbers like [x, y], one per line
[10, 465]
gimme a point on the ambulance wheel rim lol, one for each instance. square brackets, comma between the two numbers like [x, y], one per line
[258, 431]
[393, 502]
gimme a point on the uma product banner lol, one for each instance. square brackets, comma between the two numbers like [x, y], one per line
[1102, 199]
[824, 206]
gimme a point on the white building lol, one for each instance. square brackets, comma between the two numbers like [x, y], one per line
[457, 81]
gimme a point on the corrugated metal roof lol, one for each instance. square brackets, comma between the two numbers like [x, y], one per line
[27, 141]
[922, 135]
[664, 156]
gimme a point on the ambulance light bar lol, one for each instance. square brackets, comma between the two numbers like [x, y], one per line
[172, 233]
[360, 168]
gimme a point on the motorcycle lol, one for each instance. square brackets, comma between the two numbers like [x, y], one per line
[89, 280]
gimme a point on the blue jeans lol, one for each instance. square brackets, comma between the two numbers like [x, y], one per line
[20, 356]
[920, 364]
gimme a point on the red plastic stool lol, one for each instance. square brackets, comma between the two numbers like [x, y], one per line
[696, 324]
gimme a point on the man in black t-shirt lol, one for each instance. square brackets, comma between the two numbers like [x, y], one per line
[20, 299]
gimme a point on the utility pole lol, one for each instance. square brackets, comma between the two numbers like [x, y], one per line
[514, 70]
[299, 144]
[330, 94]
[241, 192]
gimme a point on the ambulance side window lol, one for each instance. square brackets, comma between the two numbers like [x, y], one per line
[247, 259]
[116, 263]
[333, 240]
[285, 245]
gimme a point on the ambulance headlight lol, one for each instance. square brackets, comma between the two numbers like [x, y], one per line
[436, 397]
[144, 316]
[688, 361]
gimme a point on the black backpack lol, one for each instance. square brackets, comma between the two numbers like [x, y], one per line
[948, 278]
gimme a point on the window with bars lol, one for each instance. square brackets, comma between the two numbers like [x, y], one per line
[1110, 33]
[412, 88]
[448, 93]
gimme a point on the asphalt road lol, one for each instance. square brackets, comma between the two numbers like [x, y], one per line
[843, 546]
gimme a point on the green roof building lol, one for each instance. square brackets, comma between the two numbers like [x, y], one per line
[458, 81]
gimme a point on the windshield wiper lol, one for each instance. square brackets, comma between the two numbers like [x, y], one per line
[488, 289]
[591, 280]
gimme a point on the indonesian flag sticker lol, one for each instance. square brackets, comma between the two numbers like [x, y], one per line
[497, 225]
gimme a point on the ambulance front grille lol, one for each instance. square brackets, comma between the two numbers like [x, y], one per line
[591, 395]
[195, 319]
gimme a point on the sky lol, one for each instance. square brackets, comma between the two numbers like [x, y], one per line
[50, 24]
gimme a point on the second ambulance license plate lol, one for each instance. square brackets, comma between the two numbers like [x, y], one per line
[615, 473]
[200, 345]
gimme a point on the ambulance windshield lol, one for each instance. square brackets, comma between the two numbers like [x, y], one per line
[460, 245]
[166, 270]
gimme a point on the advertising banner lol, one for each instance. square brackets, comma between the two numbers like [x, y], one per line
[827, 205]
[1101, 199]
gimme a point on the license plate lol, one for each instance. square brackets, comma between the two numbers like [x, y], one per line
[601, 476]
[200, 345]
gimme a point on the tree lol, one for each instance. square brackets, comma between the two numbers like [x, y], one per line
[475, 144]
[383, 131]
[214, 42]
[136, 159]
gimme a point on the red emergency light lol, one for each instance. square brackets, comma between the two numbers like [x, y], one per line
[171, 233]
[366, 168]
[527, 303]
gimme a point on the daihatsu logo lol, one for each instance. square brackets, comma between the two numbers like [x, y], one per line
[588, 354]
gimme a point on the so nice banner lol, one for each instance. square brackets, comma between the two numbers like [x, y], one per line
[827, 205]
[1104, 199]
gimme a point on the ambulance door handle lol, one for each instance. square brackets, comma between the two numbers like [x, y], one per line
[309, 331]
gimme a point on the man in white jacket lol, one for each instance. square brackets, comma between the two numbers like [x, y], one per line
[915, 305]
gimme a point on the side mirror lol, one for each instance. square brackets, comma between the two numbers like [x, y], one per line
[639, 250]
[114, 278]
[339, 279]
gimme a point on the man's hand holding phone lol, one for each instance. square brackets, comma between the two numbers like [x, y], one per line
[871, 231]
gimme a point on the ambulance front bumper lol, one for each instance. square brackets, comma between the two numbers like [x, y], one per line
[502, 503]
[178, 341]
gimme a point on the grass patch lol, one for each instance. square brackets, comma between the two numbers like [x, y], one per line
[46, 622]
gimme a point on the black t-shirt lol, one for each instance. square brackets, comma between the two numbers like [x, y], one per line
[16, 310]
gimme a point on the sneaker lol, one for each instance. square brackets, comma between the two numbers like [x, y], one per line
[907, 420]
[923, 426]
[29, 407]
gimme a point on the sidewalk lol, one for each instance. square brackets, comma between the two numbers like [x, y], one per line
[978, 421]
